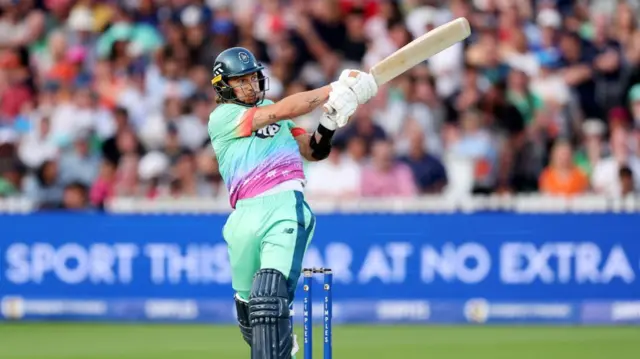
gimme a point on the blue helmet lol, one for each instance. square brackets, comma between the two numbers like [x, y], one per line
[234, 62]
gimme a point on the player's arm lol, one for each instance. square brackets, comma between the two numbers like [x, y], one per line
[351, 82]
[353, 88]
[316, 146]
[289, 107]
[304, 139]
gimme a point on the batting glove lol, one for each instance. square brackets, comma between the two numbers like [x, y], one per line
[362, 83]
[342, 104]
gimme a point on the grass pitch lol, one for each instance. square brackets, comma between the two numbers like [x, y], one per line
[135, 341]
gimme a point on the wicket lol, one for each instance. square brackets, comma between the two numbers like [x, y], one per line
[308, 312]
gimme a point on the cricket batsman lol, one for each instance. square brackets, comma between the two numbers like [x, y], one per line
[260, 153]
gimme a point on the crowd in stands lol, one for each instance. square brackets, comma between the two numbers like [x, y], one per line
[106, 98]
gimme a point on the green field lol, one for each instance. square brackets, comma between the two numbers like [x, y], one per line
[107, 341]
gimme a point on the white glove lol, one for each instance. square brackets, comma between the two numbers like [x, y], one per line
[329, 121]
[341, 105]
[362, 83]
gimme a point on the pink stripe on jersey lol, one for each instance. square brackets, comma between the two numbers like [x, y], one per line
[271, 172]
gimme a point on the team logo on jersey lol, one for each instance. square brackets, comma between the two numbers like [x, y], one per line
[244, 57]
[268, 131]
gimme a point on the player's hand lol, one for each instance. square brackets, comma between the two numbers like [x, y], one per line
[341, 105]
[362, 83]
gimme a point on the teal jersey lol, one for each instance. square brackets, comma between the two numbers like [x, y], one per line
[253, 162]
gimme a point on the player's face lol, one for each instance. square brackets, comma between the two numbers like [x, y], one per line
[246, 88]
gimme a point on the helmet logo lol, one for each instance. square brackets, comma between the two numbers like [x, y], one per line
[217, 73]
[244, 57]
[217, 69]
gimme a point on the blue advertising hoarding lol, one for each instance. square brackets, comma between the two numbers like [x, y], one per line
[387, 268]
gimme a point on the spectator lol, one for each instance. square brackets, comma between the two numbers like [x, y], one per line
[357, 150]
[468, 95]
[549, 22]
[79, 164]
[618, 117]
[562, 177]
[593, 147]
[173, 147]
[122, 139]
[14, 91]
[520, 95]
[605, 178]
[191, 131]
[184, 170]
[128, 181]
[45, 188]
[385, 177]
[577, 59]
[152, 171]
[474, 142]
[422, 108]
[516, 53]
[625, 23]
[134, 107]
[549, 85]
[428, 172]
[75, 197]
[135, 78]
[627, 183]
[337, 177]
[531, 152]
[607, 64]
[362, 125]
[211, 184]
[104, 188]
[11, 178]
[38, 144]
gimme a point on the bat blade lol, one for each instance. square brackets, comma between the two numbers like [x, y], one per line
[420, 49]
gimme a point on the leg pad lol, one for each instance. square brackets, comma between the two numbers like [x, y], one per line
[269, 316]
[242, 309]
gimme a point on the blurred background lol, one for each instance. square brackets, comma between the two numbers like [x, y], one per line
[507, 138]
[107, 99]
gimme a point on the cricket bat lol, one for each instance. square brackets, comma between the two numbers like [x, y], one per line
[418, 50]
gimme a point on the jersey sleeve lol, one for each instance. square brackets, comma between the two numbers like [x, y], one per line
[230, 121]
[297, 131]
